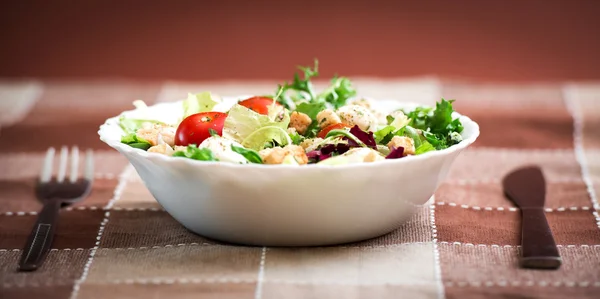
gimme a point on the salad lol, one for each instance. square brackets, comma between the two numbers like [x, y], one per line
[296, 125]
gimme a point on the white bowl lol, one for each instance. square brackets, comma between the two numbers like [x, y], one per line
[286, 205]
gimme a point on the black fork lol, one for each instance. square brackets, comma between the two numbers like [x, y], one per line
[55, 193]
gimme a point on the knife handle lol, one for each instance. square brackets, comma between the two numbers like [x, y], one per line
[539, 250]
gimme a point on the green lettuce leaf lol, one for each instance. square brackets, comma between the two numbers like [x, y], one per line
[424, 147]
[241, 122]
[400, 121]
[260, 138]
[311, 109]
[312, 130]
[384, 135]
[303, 88]
[437, 124]
[389, 119]
[200, 102]
[441, 120]
[195, 153]
[276, 112]
[412, 133]
[334, 96]
[437, 140]
[338, 92]
[419, 117]
[250, 155]
[131, 125]
[395, 128]
[436, 121]
[134, 141]
[296, 138]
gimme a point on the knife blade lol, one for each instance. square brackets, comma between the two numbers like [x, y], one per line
[526, 187]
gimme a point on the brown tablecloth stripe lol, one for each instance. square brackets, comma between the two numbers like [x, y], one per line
[119, 243]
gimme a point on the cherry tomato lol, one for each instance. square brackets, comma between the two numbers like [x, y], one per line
[258, 104]
[196, 127]
[326, 130]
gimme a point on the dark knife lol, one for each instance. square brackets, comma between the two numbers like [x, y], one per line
[526, 187]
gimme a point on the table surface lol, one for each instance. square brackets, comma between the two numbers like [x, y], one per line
[119, 243]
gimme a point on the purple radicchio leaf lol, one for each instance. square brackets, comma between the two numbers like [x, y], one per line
[351, 142]
[339, 148]
[316, 156]
[327, 151]
[396, 153]
[366, 137]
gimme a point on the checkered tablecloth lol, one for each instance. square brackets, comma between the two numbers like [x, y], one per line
[119, 243]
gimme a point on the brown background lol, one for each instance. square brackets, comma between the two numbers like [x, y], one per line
[210, 40]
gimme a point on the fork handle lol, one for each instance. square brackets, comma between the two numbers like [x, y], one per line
[40, 240]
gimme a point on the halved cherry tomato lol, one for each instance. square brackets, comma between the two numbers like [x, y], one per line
[326, 130]
[258, 104]
[196, 127]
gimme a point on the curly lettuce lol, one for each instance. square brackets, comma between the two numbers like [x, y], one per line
[436, 126]
[300, 96]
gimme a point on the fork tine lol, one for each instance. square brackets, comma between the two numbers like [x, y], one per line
[74, 164]
[89, 165]
[62, 167]
[46, 173]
